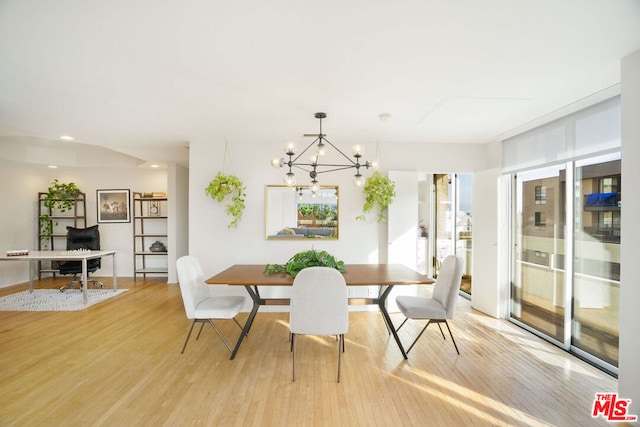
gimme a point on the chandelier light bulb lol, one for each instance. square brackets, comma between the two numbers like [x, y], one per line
[358, 180]
[373, 164]
[322, 148]
[314, 186]
[358, 150]
[290, 178]
[277, 163]
[314, 159]
[290, 148]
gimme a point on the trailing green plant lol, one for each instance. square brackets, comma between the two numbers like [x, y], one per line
[302, 260]
[230, 188]
[379, 190]
[60, 197]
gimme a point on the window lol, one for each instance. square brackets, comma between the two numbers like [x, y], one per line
[609, 185]
[605, 220]
[541, 194]
[573, 302]
[596, 276]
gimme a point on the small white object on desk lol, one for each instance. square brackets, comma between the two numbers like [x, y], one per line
[18, 252]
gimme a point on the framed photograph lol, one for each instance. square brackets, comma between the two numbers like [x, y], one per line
[114, 205]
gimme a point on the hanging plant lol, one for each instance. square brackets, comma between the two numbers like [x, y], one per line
[230, 188]
[379, 190]
[60, 197]
[302, 260]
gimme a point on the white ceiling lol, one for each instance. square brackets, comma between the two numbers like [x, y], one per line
[146, 77]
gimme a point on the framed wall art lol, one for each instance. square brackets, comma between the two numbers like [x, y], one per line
[114, 205]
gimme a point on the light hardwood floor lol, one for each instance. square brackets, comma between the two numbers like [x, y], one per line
[119, 363]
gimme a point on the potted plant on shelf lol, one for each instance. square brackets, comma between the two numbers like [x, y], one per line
[230, 188]
[302, 260]
[60, 197]
[379, 190]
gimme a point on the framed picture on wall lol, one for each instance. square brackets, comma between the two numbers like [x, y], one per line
[113, 205]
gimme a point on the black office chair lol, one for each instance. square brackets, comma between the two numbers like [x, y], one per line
[81, 238]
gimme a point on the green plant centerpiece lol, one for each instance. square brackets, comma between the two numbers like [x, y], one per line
[230, 188]
[379, 190]
[60, 197]
[302, 260]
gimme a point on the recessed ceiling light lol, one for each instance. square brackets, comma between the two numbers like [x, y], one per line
[67, 137]
[384, 117]
[154, 166]
[52, 167]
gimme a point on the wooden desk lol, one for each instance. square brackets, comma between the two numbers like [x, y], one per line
[34, 256]
[384, 275]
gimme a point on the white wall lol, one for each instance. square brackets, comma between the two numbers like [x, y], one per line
[629, 368]
[485, 295]
[403, 220]
[18, 220]
[18, 226]
[178, 217]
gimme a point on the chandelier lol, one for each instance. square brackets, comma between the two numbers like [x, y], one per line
[314, 167]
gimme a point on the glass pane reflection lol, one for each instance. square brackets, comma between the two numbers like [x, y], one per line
[596, 282]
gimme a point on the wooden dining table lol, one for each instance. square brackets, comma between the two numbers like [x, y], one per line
[386, 276]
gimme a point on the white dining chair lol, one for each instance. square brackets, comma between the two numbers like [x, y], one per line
[199, 304]
[441, 306]
[319, 306]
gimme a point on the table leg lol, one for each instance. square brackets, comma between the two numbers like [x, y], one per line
[385, 314]
[380, 292]
[85, 297]
[254, 310]
[115, 274]
[32, 268]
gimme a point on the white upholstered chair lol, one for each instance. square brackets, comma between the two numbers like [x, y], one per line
[441, 305]
[199, 304]
[319, 306]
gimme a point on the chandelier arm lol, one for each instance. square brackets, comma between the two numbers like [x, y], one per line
[336, 169]
[340, 151]
[324, 165]
[300, 166]
[305, 150]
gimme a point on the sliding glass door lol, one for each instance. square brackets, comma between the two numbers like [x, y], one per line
[596, 280]
[464, 227]
[453, 213]
[538, 285]
[443, 216]
[566, 276]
